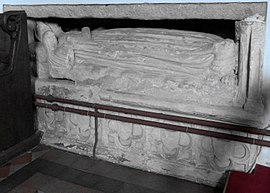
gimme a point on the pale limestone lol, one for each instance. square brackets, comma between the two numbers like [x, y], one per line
[187, 56]
[187, 156]
[169, 70]
[62, 129]
[253, 28]
[196, 158]
[146, 11]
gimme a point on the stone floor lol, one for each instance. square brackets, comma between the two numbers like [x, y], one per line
[49, 170]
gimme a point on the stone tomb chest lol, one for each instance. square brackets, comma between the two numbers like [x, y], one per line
[193, 60]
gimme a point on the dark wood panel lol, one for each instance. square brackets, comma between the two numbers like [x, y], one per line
[16, 113]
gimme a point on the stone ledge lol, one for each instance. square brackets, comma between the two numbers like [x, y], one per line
[231, 11]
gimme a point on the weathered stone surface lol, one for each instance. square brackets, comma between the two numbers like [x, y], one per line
[171, 70]
[197, 158]
[183, 155]
[251, 61]
[187, 156]
[181, 55]
[234, 11]
[63, 129]
[264, 156]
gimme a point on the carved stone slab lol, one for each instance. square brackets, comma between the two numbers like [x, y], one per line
[234, 11]
[185, 72]
[187, 156]
[123, 68]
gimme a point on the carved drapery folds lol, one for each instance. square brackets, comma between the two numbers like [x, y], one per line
[179, 71]
[184, 55]
[170, 71]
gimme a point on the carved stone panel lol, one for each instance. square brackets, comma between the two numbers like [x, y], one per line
[62, 129]
[196, 158]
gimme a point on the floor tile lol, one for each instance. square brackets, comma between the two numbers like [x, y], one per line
[130, 188]
[102, 168]
[93, 166]
[83, 164]
[7, 185]
[76, 176]
[22, 159]
[61, 157]
[21, 175]
[38, 154]
[4, 171]
[49, 184]
[23, 189]
[49, 168]
[64, 171]
[138, 177]
[87, 180]
[16, 167]
[41, 147]
[70, 175]
[97, 182]
[107, 185]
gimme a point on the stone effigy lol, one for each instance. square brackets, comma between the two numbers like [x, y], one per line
[184, 65]
[169, 71]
